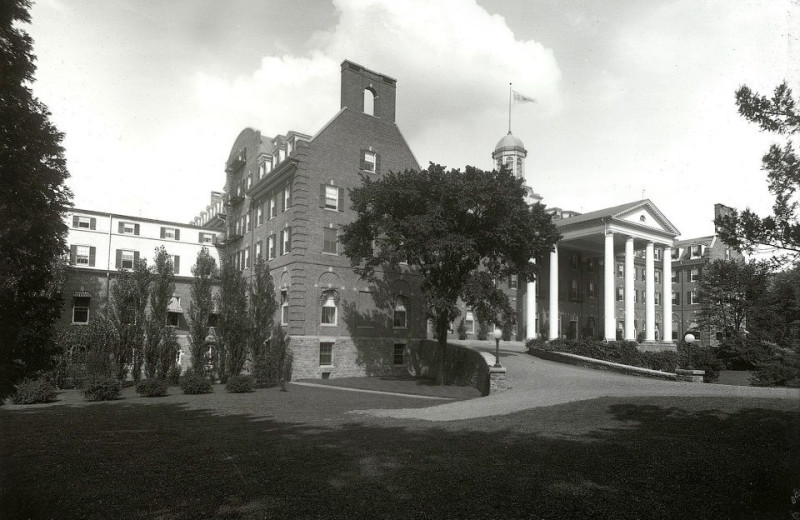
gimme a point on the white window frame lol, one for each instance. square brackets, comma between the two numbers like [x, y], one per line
[694, 274]
[284, 307]
[84, 222]
[325, 241]
[370, 161]
[329, 303]
[331, 197]
[693, 248]
[79, 256]
[400, 309]
[469, 322]
[271, 247]
[287, 195]
[169, 233]
[328, 344]
[74, 307]
[123, 259]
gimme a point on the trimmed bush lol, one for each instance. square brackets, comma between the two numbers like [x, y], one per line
[33, 391]
[151, 387]
[101, 389]
[192, 383]
[239, 384]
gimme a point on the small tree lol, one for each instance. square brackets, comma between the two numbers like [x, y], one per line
[263, 307]
[161, 343]
[128, 304]
[728, 290]
[449, 226]
[234, 322]
[280, 351]
[202, 304]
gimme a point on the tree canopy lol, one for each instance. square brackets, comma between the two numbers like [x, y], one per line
[745, 230]
[33, 197]
[729, 291]
[460, 230]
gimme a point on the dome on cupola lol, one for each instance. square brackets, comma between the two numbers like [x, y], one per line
[510, 143]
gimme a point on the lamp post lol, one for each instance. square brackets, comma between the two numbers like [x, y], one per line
[498, 333]
[689, 339]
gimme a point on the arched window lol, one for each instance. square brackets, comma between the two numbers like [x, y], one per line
[328, 316]
[284, 307]
[369, 101]
[400, 313]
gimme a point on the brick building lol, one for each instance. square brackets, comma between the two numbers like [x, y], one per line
[286, 200]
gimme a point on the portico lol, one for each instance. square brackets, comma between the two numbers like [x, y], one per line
[604, 235]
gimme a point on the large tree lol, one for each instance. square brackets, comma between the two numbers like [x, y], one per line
[729, 291]
[745, 230]
[263, 306]
[33, 197]
[204, 272]
[460, 230]
[161, 345]
[129, 293]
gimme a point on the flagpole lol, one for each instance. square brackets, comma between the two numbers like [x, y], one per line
[509, 107]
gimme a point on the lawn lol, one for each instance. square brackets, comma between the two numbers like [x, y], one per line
[300, 455]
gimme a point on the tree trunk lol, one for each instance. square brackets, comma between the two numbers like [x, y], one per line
[442, 337]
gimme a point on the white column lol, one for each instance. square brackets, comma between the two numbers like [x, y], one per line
[650, 290]
[553, 332]
[608, 289]
[530, 317]
[666, 297]
[630, 332]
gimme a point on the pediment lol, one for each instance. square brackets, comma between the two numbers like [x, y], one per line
[647, 215]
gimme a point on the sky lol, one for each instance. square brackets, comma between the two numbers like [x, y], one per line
[633, 99]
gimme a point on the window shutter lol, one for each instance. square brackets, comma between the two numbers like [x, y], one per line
[74, 220]
[92, 255]
[136, 229]
[341, 200]
[289, 239]
[176, 264]
[177, 234]
[92, 223]
[200, 237]
[119, 258]
[135, 257]
[377, 163]
[163, 232]
[321, 195]
[688, 297]
[280, 246]
[362, 165]
[121, 227]
[73, 253]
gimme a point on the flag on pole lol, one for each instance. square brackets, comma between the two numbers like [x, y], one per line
[519, 98]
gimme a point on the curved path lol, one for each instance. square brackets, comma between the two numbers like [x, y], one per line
[537, 382]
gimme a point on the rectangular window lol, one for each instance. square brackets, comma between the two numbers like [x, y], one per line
[247, 257]
[620, 270]
[400, 320]
[80, 309]
[173, 319]
[512, 281]
[328, 314]
[262, 170]
[658, 298]
[693, 298]
[676, 253]
[206, 238]
[591, 263]
[127, 259]
[370, 162]
[573, 261]
[676, 298]
[331, 197]
[247, 222]
[284, 307]
[657, 277]
[326, 353]
[286, 241]
[620, 294]
[287, 197]
[82, 255]
[128, 228]
[249, 182]
[399, 354]
[636, 296]
[84, 222]
[573, 289]
[675, 276]
[591, 290]
[273, 206]
[258, 253]
[469, 322]
[695, 274]
[170, 233]
[271, 247]
[644, 274]
[696, 251]
[260, 215]
[330, 241]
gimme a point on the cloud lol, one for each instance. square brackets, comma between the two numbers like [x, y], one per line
[452, 60]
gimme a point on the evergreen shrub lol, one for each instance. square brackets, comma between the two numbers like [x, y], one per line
[101, 389]
[239, 384]
[192, 383]
[33, 391]
[152, 387]
[174, 375]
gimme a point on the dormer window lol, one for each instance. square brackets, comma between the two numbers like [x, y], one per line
[696, 251]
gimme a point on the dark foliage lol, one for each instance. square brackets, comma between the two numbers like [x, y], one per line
[204, 272]
[234, 322]
[192, 383]
[782, 369]
[101, 389]
[33, 196]
[239, 384]
[263, 306]
[152, 387]
[129, 294]
[161, 344]
[34, 391]
[174, 375]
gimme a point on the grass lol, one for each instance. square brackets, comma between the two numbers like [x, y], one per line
[298, 454]
[402, 385]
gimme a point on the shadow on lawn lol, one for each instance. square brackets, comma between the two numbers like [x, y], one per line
[631, 461]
